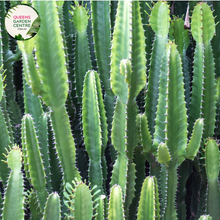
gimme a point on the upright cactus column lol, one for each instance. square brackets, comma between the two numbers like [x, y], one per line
[82, 55]
[217, 123]
[203, 100]
[53, 74]
[215, 40]
[5, 138]
[94, 131]
[79, 200]
[9, 58]
[160, 12]
[33, 160]
[136, 82]
[212, 171]
[119, 174]
[170, 137]
[149, 206]
[120, 72]
[116, 211]
[102, 40]
[52, 208]
[14, 196]
[176, 123]
[182, 41]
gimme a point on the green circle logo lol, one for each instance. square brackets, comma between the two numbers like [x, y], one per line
[22, 22]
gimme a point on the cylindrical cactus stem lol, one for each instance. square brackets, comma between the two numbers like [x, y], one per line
[216, 38]
[63, 137]
[14, 195]
[119, 134]
[8, 59]
[5, 141]
[55, 84]
[116, 210]
[139, 161]
[34, 205]
[69, 31]
[102, 40]
[149, 206]
[176, 123]
[53, 77]
[149, 151]
[34, 159]
[198, 69]
[121, 47]
[174, 91]
[145, 9]
[119, 142]
[92, 130]
[136, 79]
[52, 208]
[181, 37]
[212, 171]
[43, 146]
[101, 27]
[33, 107]
[79, 200]
[203, 100]
[120, 55]
[184, 171]
[56, 169]
[159, 12]
[217, 121]
[29, 68]
[82, 55]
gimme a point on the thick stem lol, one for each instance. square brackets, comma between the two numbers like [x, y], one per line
[170, 212]
[64, 143]
[213, 199]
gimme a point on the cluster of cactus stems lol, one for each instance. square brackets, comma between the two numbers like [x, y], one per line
[117, 114]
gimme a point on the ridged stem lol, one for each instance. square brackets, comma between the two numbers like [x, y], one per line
[212, 171]
[14, 196]
[170, 211]
[64, 143]
[52, 208]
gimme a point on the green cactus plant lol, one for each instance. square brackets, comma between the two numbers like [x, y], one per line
[94, 130]
[212, 171]
[150, 196]
[167, 153]
[14, 196]
[82, 54]
[34, 160]
[55, 90]
[203, 30]
[116, 210]
[75, 195]
[91, 149]
[52, 208]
